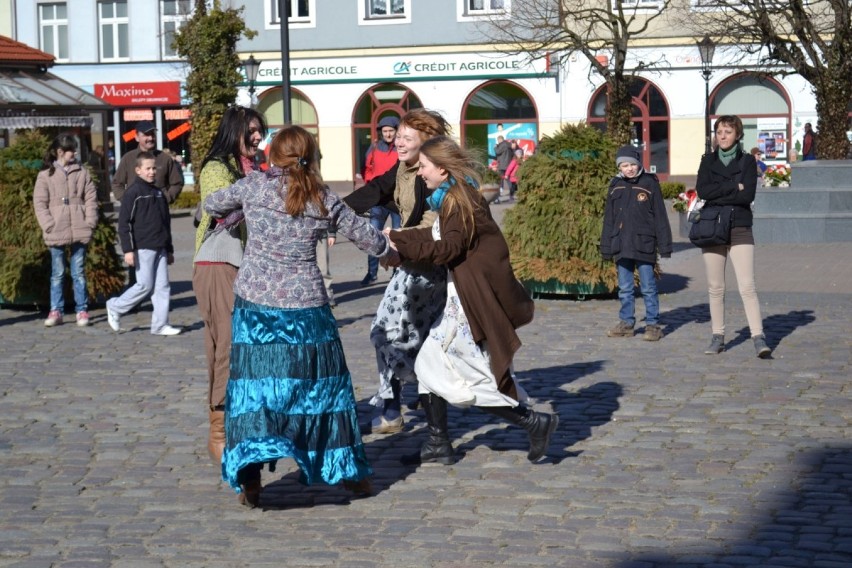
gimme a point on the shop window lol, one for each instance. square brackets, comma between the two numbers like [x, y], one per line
[300, 13]
[764, 108]
[113, 26]
[173, 15]
[53, 29]
[384, 12]
[379, 101]
[499, 108]
[650, 133]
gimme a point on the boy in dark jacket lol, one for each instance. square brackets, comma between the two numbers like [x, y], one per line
[635, 229]
[144, 230]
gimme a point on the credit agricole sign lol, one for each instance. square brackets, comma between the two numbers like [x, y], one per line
[425, 67]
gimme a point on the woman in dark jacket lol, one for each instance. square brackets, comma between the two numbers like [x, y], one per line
[728, 177]
[466, 358]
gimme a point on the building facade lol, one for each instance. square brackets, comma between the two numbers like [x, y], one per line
[355, 61]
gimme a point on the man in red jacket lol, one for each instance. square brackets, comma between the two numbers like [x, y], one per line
[380, 158]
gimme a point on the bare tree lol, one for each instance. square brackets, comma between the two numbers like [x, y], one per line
[811, 38]
[600, 31]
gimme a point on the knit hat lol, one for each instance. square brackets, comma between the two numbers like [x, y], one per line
[628, 154]
[391, 121]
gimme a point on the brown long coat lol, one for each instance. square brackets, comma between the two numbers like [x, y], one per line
[494, 301]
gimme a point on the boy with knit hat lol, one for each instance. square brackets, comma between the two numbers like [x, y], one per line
[635, 229]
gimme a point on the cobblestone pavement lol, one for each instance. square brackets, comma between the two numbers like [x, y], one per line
[664, 457]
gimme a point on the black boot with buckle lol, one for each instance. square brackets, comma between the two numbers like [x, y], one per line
[539, 425]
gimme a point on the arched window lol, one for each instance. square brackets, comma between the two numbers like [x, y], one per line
[764, 108]
[499, 108]
[377, 102]
[650, 123]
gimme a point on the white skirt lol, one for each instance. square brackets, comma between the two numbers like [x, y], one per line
[451, 365]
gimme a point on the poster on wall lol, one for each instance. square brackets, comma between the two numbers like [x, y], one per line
[772, 137]
[526, 134]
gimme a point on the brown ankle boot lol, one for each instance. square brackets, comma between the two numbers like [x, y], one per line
[216, 441]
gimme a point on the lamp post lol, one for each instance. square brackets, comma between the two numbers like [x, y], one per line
[284, 18]
[706, 47]
[251, 66]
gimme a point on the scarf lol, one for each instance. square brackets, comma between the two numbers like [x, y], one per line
[725, 156]
[437, 197]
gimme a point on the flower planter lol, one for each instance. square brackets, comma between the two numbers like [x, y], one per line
[490, 192]
[554, 287]
[682, 225]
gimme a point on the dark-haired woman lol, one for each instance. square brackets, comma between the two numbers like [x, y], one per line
[290, 393]
[66, 206]
[728, 177]
[218, 252]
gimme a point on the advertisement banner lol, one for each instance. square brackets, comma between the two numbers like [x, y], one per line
[525, 133]
[139, 94]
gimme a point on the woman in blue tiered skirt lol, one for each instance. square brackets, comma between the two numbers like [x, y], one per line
[289, 392]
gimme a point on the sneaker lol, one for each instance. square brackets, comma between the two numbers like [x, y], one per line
[381, 425]
[54, 317]
[368, 279]
[113, 319]
[717, 345]
[623, 329]
[83, 318]
[760, 347]
[167, 330]
[653, 333]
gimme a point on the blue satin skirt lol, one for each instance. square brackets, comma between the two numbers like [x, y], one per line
[290, 395]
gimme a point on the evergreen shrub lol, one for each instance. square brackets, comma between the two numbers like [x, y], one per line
[24, 258]
[554, 228]
[671, 189]
[186, 200]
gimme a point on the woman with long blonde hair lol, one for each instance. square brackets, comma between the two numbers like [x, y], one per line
[466, 359]
[290, 392]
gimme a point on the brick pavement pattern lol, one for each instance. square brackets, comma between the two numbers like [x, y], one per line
[665, 457]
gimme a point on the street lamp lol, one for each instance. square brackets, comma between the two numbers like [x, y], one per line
[251, 66]
[706, 47]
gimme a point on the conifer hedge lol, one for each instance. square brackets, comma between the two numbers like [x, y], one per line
[554, 228]
[24, 258]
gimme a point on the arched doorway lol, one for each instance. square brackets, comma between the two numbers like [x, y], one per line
[764, 108]
[650, 123]
[385, 99]
[302, 110]
[499, 108]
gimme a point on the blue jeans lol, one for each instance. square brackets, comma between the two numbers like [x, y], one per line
[78, 277]
[647, 285]
[378, 216]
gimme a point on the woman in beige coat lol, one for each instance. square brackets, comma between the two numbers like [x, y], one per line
[66, 207]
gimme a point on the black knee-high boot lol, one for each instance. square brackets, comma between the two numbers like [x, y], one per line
[539, 425]
[437, 447]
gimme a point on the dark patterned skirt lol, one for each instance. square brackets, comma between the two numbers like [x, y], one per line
[290, 395]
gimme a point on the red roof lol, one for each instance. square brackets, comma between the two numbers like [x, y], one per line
[12, 51]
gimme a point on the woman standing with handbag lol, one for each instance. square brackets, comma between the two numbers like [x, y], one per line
[728, 177]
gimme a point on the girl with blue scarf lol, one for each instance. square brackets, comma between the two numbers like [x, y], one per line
[466, 358]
